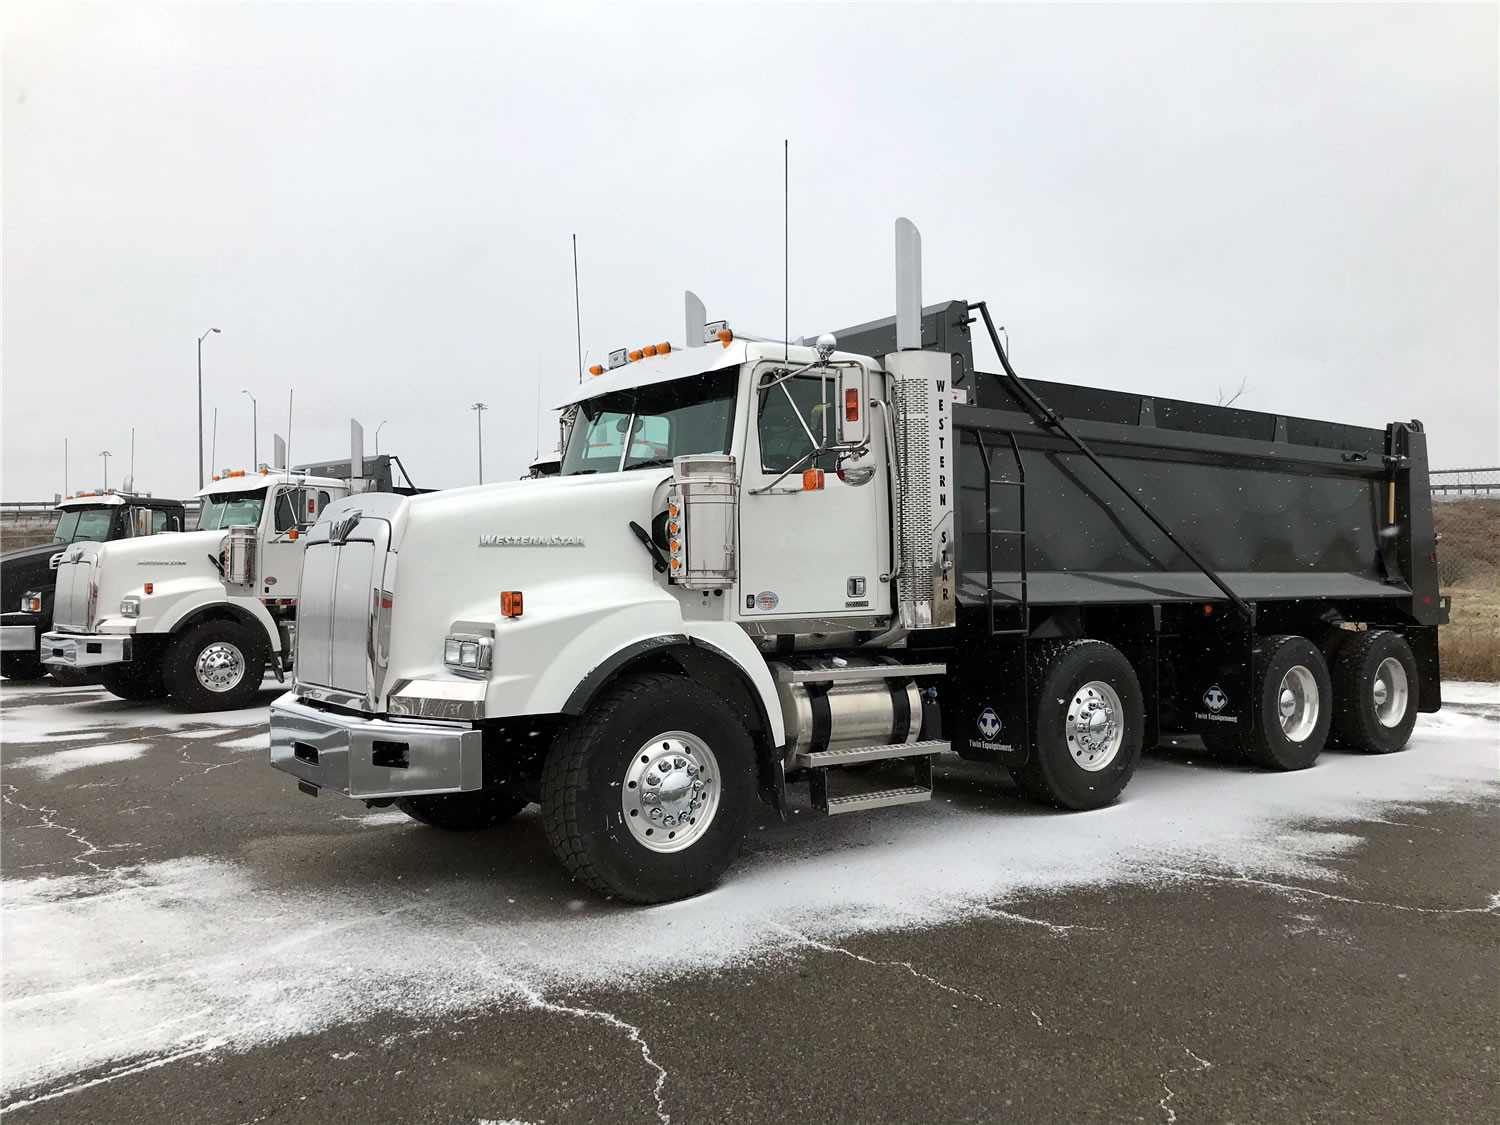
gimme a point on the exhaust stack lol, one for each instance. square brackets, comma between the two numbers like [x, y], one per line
[356, 455]
[908, 286]
[697, 319]
[278, 452]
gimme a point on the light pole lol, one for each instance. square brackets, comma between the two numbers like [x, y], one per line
[479, 408]
[254, 432]
[106, 454]
[377, 439]
[200, 405]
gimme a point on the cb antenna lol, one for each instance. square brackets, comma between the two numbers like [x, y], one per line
[538, 420]
[577, 312]
[786, 247]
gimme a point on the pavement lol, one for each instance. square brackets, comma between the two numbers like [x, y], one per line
[186, 938]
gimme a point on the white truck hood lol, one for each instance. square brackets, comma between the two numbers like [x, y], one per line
[171, 563]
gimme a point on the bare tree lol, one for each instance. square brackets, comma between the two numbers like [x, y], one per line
[1230, 400]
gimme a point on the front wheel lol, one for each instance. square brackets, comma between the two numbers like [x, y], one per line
[134, 682]
[1088, 725]
[463, 812]
[21, 666]
[648, 796]
[215, 666]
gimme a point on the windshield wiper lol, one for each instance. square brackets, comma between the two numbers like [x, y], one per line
[652, 463]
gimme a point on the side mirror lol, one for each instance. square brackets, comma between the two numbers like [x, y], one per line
[852, 406]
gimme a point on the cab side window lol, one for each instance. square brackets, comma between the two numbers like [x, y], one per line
[158, 521]
[783, 439]
[288, 503]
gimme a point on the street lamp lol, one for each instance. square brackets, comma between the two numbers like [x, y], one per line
[377, 439]
[106, 454]
[254, 433]
[479, 408]
[200, 405]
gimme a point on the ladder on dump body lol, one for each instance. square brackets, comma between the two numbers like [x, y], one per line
[920, 755]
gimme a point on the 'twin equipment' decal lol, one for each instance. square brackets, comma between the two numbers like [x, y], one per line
[1215, 700]
[989, 732]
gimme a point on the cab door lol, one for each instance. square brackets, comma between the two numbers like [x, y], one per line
[291, 511]
[809, 554]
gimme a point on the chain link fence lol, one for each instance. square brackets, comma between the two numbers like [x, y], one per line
[1468, 555]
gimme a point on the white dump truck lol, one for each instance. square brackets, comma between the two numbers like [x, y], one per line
[767, 565]
[200, 616]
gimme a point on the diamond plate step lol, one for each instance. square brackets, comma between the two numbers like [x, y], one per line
[854, 755]
[907, 795]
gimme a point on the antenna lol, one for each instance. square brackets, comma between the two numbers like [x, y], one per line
[213, 450]
[289, 428]
[786, 246]
[131, 478]
[538, 419]
[65, 467]
[577, 312]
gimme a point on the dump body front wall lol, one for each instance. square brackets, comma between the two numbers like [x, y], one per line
[1277, 521]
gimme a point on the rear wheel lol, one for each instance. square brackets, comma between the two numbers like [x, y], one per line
[135, 682]
[1375, 691]
[1292, 698]
[463, 812]
[215, 666]
[648, 796]
[1088, 725]
[21, 666]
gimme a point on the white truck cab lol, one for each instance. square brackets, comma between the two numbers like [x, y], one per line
[199, 615]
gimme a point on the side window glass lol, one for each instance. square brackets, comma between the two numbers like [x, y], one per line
[158, 521]
[287, 502]
[783, 438]
[323, 501]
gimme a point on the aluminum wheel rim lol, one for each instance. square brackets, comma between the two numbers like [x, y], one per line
[671, 791]
[1391, 692]
[220, 666]
[1095, 726]
[1297, 703]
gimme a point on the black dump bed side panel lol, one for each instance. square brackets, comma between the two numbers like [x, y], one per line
[1282, 508]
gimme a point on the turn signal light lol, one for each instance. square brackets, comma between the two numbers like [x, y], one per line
[150, 586]
[812, 480]
[725, 336]
[851, 405]
[292, 534]
[596, 369]
[671, 509]
[510, 603]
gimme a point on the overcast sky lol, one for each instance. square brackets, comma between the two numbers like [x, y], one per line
[375, 204]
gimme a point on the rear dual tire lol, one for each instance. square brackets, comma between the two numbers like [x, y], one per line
[1292, 698]
[1375, 692]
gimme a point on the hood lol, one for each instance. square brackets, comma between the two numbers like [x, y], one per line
[24, 569]
[170, 562]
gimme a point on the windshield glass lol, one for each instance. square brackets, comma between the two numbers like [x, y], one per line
[231, 509]
[85, 525]
[649, 426]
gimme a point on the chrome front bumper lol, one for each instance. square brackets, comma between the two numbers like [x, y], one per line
[84, 650]
[17, 638]
[369, 758]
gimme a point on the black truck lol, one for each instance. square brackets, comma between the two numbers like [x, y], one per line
[28, 575]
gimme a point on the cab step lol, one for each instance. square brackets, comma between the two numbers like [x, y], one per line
[921, 755]
[855, 755]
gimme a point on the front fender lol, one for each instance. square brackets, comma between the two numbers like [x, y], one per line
[195, 601]
[533, 677]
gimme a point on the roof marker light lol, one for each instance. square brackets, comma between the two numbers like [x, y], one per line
[649, 349]
[597, 369]
[725, 336]
[663, 348]
[635, 355]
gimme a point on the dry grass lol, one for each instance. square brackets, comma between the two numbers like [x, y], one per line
[1469, 571]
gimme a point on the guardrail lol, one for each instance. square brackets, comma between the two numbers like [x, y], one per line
[1448, 484]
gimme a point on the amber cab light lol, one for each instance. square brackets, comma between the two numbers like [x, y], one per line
[596, 369]
[725, 336]
[812, 480]
[510, 603]
[663, 348]
[150, 587]
[649, 349]
[635, 354]
[851, 405]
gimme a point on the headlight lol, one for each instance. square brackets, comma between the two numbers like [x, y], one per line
[31, 602]
[130, 606]
[467, 653]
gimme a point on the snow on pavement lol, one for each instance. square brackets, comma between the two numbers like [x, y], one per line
[164, 960]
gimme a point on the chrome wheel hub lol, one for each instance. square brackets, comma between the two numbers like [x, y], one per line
[1297, 703]
[220, 667]
[671, 791]
[1392, 692]
[1095, 726]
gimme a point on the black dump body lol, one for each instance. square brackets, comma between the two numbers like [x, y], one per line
[1263, 524]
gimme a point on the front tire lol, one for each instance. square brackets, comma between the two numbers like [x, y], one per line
[21, 666]
[1087, 727]
[215, 666]
[463, 812]
[137, 683]
[648, 796]
[1375, 691]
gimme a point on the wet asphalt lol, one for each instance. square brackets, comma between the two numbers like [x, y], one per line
[1369, 998]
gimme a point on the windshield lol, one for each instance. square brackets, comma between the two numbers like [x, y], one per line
[85, 525]
[648, 426]
[231, 509]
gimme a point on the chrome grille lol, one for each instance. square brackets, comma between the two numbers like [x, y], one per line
[70, 600]
[335, 604]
